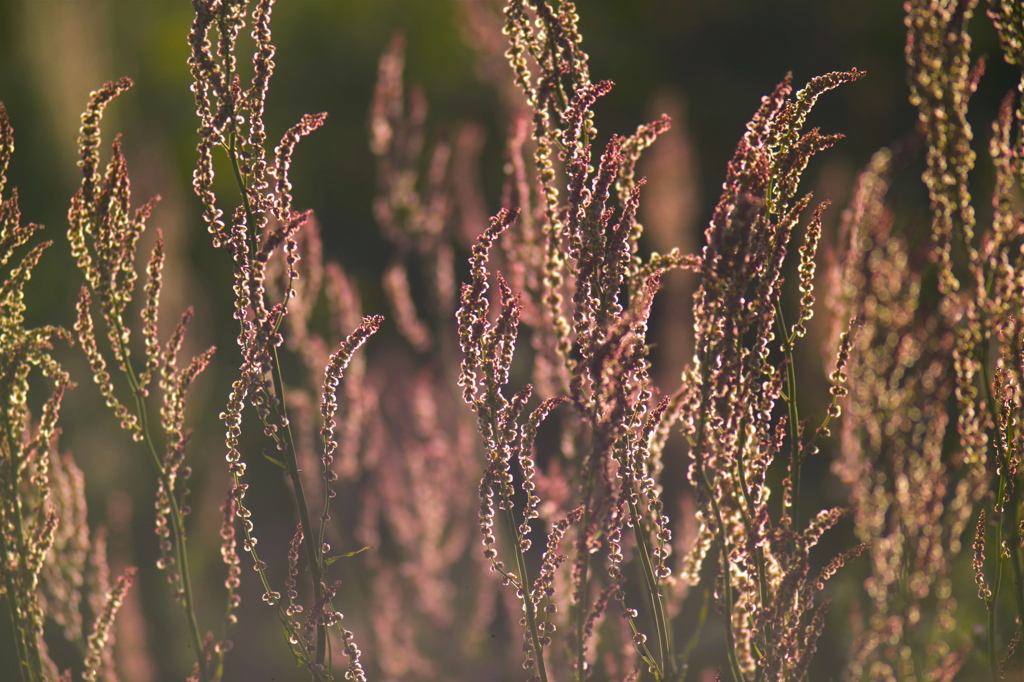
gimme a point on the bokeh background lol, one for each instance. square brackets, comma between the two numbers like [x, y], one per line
[705, 62]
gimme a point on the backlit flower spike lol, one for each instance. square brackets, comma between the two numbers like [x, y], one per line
[284, 233]
[38, 449]
[282, 162]
[333, 372]
[632, 147]
[107, 218]
[84, 216]
[499, 341]
[229, 555]
[978, 562]
[587, 225]
[544, 585]
[100, 639]
[86, 334]
[206, 75]
[12, 233]
[528, 466]
[173, 411]
[12, 292]
[1006, 17]
[793, 150]
[134, 227]
[808, 251]
[89, 136]
[574, 135]
[520, 34]
[472, 315]
[622, 266]
[994, 256]
[263, 69]
[151, 311]
[644, 467]
[219, 102]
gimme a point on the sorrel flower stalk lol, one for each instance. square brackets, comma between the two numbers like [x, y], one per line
[743, 367]
[261, 227]
[596, 295]
[104, 236]
[46, 549]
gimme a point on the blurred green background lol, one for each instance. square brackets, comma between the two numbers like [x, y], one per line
[706, 62]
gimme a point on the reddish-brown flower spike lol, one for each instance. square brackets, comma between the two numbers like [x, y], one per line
[633, 146]
[89, 138]
[100, 636]
[6, 147]
[87, 338]
[151, 310]
[332, 376]
[500, 341]
[473, 309]
[283, 160]
[263, 68]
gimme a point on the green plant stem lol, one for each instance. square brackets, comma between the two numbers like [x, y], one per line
[313, 554]
[734, 662]
[29, 662]
[709, 490]
[993, 660]
[657, 605]
[581, 607]
[762, 573]
[794, 413]
[177, 518]
[524, 588]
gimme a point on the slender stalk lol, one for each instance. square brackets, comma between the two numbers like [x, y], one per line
[177, 518]
[762, 573]
[524, 589]
[697, 445]
[734, 662]
[27, 662]
[581, 607]
[661, 623]
[794, 412]
[313, 554]
[993, 659]
[29, 659]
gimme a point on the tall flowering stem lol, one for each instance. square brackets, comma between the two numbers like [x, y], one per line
[587, 315]
[744, 365]
[263, 228]
[104, 237]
